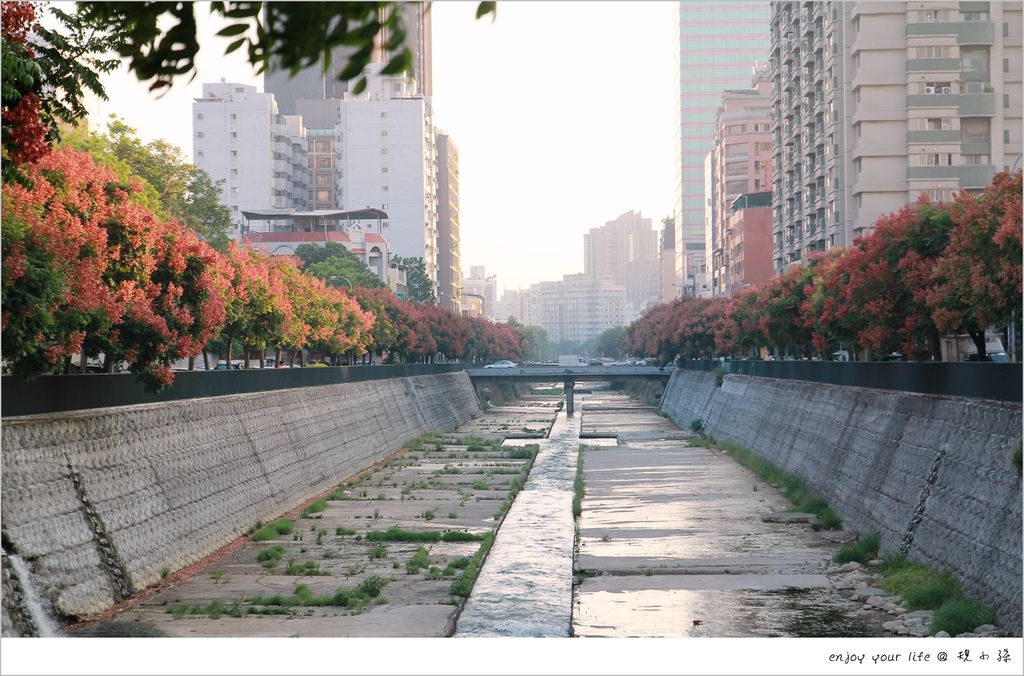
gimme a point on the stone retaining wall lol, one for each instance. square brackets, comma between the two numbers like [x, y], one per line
[931, 474]
[102, 501]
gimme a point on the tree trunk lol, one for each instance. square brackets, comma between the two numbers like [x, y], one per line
[192, 363]
[263, 358]
[228, 349]
[936, 346]
[108, 363]
[277, 358]
[978, 337]
[83, 361]
[302, 361]
[206, 359]
[67, 364]
[248, 355]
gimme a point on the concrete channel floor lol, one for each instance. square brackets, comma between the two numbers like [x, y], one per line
[459, 489]
[671, 542]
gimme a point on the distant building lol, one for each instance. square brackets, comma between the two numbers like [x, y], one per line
[625, 251]
[512, 304]
[740, 162]
[259, 156]
[717, 42]
[747, 244]
[479, 284]
[577, 308]
[472, 305]
[449, 266]
[667, 254]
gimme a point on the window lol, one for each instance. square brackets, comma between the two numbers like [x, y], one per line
[935, 123]
[932, 16]
[1006, 136]
[199, 116]
[234, 116]
[975, 130]
[239, 90]
[323, 145]
[383, 170]
[383, 151]
[976, 159]
[976, 87]
[974, 16]
[1006, 65]
[935, 160]
[1006, 100]
[323, 179]
[856, 165]
[939, 195]
[234, 153]
[384, 188]
[323, 162]
[234, 134]
[1006, 30]
[934, 52]
[199, 134]
[974, 60]
[234, 172]
[383, 113]
[383, 132]
[323, 195]
[234, 191]
[937, 88]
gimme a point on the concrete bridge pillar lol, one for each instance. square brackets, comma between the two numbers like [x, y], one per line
[570, 384]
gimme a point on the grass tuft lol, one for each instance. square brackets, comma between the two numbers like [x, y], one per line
[577, 486]
[396, 534]
[315, 508]
[273, 530]
[861, 551]
[961, 615]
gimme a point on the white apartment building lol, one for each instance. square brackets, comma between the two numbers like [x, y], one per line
[479, 284]
[625, 251]
[258, 156]
[577, 308]
[877, 102]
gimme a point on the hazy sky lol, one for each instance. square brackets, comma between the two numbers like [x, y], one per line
[562, 113]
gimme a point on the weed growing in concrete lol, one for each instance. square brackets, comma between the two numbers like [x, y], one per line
[434, 573]
[419, 560]
[218, 576]
[450, 469]
[460, 536]
[696, 425]
[463, 585]
[453, 515]
[378, 552]
[396, 534]
[577, 486]
[863, 550]
[330, 553]
[354, 598]
[315, 508]
[274, 529]
[961, 615]
[698, 442]
[381, 496]
[165, 571]
[213, 610]
[921, 587]
[429, 514]
[344, 531]
[320, 533]
[354, 570]
[480, 485]
[527, 452]
[307, 568]
[270, 557]
[338, 494]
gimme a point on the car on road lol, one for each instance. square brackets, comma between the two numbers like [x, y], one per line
[999, 357]
[502, 364]
[895, 356]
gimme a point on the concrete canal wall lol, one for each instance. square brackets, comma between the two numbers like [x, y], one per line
[936, 471]
[101, 501]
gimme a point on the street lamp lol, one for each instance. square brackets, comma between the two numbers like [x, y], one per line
[344, 279]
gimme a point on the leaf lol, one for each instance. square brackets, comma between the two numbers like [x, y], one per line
[487, 8]
[233, 29]
[234, 45]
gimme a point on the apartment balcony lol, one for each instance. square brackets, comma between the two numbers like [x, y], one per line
[967, 105]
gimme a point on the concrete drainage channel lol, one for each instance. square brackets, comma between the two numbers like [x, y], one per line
[392, 552]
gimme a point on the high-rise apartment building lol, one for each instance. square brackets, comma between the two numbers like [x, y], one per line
[625, 251]
[485, 287]
[740, 162]
[577, 308]
[667, 254]
[877, 102]
[449, 266]
[716, 46]
[313, 82]
[260, 156]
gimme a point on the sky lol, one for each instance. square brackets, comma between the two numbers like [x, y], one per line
[562, 113]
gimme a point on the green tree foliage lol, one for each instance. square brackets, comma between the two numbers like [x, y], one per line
[421, 289]
[160, 37]
[332, 259]
[610, 342]
[538, 343]
[171, 186]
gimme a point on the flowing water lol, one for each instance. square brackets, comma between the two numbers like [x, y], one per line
[525, 586]
[45, 626]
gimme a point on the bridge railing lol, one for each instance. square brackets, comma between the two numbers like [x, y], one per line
[53, 394]
[1000, 382]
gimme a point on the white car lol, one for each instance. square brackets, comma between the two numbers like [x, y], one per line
[502, 364]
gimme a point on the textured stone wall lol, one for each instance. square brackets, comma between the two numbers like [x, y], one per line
[929, 473]
[101, 501]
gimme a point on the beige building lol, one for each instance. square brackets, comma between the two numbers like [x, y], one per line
[577, 308]
[740, 163]
[479, 284]
[669, 285]
[625, 251]
[449, 266]
[877, 102]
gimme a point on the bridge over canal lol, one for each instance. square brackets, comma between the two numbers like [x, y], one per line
[569, 376]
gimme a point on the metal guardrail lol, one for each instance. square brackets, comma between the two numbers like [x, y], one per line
[54, 394]
[576, 373]
[999, 382]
